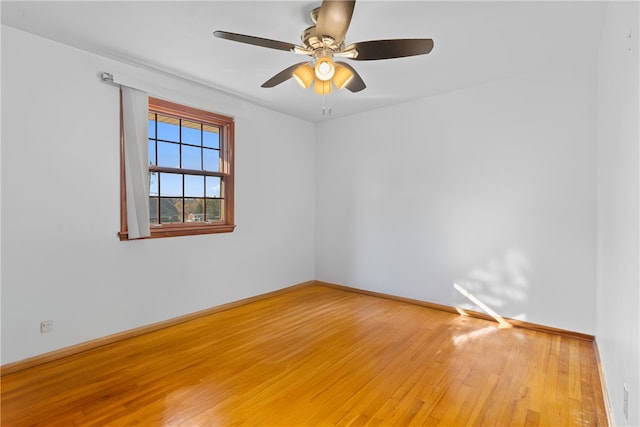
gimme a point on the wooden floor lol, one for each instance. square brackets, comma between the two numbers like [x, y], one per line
[318, 356]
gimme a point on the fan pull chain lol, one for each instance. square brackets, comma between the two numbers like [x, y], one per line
[326, 110]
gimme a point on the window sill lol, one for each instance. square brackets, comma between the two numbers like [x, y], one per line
[174, 230]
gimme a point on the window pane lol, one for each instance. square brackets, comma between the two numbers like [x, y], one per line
[170, 185]
[211, 136]
[170, 210]
[214, 209]
[194, 210]
[152, 151]
[211, 159]
[185, 145]
[153, 184]
[212, 186]
[152, 125]
[153, 210]
[168, 128]
[193, 186]
[168, 154]
[191, 133]
[191, 157]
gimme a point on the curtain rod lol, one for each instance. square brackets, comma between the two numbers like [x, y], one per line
[107, 77]
[122, 81]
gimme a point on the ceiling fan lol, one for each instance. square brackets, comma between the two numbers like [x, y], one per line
[325, 40]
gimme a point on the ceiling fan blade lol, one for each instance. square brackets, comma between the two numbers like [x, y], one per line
[356, 84]
[256, 41]
[387, 49]
[334, 19]
[282, 76]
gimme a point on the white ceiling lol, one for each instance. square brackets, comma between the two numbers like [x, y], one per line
[475, 42]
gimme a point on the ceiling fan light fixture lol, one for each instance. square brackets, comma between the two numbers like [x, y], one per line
[342, 76]
[322, 87]
[304, 75]
[324, 68]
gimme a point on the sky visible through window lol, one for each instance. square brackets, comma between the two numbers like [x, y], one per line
[199, 149]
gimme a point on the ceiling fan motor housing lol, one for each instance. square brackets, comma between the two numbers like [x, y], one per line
[313, 15]
[310, 39]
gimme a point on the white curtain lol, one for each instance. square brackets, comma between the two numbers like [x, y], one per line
[135, 107]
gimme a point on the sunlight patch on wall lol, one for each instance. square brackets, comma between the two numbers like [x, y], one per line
[501, 284]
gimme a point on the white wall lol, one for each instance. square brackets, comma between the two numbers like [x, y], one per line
[61, 258]
[492, 187]
[618, 278]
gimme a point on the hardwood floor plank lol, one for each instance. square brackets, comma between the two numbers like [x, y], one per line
[317, 356]
[483, 397]
[532, 419]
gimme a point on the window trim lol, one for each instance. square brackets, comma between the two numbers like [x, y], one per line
[226, 124]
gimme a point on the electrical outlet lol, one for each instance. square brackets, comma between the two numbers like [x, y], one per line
[46, 326]
[625, 403]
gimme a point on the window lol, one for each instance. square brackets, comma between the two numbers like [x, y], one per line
[190, 171]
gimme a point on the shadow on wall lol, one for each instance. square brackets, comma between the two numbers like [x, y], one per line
[501, 285]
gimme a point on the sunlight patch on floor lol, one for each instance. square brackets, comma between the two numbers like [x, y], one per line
[461, 339]
[501, 321]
